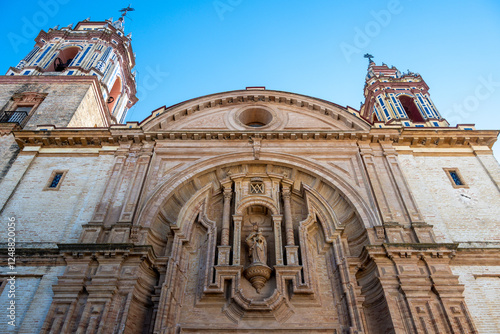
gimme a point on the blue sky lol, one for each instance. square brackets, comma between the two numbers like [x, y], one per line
[187, 49]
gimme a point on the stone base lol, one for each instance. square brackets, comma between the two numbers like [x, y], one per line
[258, 274]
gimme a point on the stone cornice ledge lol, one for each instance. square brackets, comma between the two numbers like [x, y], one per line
[486, 256]
[50, 136]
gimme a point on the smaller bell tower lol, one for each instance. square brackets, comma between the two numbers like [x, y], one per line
[396, 99]
[81, 75]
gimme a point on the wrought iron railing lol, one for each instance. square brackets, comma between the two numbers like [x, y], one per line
[13, 117]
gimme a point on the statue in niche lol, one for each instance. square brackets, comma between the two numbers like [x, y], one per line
[258, 273]
[257, 246]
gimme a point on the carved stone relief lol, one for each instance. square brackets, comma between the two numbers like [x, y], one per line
[279, 245]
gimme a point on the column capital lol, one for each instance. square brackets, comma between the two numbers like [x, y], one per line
[226, 184]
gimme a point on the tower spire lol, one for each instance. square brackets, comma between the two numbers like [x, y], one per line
[395, 99]
[83, 51]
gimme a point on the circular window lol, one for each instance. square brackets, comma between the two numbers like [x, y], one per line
[255, 117]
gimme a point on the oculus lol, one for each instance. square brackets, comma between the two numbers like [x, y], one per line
[255, 117]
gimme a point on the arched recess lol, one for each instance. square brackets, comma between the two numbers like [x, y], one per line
[411, 108]
[262, 201]
[114, 94]
[183, 217]
[63, 59]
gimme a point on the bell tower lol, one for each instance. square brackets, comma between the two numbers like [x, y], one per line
[396, 99]
[79, 76]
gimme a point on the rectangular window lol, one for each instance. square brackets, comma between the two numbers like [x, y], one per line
[55, 180]
[435, 124]
[457, 181]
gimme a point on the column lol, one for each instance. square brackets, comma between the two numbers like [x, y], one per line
[288, 215]
[277, 239]
[224, 249]
[291, 250]
[237, 219]
[228, 194]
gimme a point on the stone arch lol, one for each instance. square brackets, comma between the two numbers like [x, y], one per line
[186, 197]
[359, 218]
[344, 117]
[410, 107]
[66, 56]
[115, 93]
[257, 201]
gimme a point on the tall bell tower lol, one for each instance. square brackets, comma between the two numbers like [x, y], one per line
[396, 99]
[74, 77]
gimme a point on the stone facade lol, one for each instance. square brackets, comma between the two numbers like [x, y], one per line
[251, 211]
[364, 231]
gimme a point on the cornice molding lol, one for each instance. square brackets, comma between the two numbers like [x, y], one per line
[49, 136]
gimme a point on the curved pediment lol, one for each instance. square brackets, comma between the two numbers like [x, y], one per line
[254, 110]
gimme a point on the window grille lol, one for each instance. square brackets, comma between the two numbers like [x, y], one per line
[56, 180]
[457, 181]
[256, 188]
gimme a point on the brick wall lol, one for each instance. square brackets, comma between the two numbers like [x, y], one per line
[33, 298]
[455, 218]
[86, 115]
[62, 104]
[56, 216]
[8, 153]
[482, 288]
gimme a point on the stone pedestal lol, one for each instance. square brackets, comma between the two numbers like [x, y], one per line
[258, 274]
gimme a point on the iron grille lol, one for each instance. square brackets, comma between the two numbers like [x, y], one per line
[13, 117]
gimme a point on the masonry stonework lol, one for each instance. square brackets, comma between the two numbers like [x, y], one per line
[458, 214]
[65, 210]
[249, 211]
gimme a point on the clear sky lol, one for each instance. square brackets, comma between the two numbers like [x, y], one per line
[187, 49]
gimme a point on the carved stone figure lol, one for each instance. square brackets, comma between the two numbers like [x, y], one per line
[258, 273]
[257, 246]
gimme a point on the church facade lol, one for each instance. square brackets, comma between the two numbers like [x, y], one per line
[249, 211]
